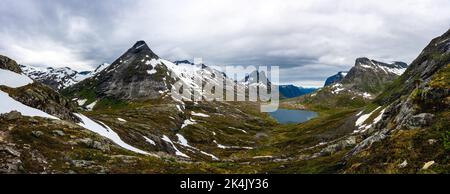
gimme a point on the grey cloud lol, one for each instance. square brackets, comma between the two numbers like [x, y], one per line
[309, 39]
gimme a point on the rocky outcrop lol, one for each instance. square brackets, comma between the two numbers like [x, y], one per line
[39, 96]
[419, 120]
[415, 98]
[42, 97]
[9, 64]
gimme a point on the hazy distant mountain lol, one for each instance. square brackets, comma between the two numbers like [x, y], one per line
[291, 91]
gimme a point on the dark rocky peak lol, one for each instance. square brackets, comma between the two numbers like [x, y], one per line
[9, 64]
[142, 48]
[138, 55]
[183, 62]
[136, 75]
[336, 78]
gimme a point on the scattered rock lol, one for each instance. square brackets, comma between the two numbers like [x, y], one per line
[432, 141]
[10, 150]
[11, 166]
[403, 164]
[95, 144]
[427, 165]
[2, 136]
[58, 132]
[82, 163]
[337, 146]
[37, 134]
[378, 136]
[260, 135]
[13, 115]
[420, 120]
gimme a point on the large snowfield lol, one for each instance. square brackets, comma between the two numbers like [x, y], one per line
[13, 79]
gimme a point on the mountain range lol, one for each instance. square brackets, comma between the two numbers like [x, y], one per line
[378, 118]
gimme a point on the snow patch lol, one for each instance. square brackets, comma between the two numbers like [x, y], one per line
[199, 114]
[363, 127]
[231, 147]
[13, 79]
[188, 122]
[149, 140]
[103, 130]
[183, 141]
[90, 106]
[179, 108]
[243, 131]
[177, 152]
[364, 117]
[81, 102]
[8, 104]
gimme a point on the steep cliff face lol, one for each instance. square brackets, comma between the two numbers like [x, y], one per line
[423, 88]
[415, 111]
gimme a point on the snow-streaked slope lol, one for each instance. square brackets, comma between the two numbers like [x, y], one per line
[188, 73]
[105, 131]
[184, 142]
[8, 104]
[13, 79]
[59, 77]
[177, 152]
[388, 68]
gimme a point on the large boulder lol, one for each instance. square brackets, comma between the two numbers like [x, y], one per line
[420, 120]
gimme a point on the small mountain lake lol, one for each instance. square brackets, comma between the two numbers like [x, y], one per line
[286, 116]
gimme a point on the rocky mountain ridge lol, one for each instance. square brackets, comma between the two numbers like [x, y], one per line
[59, 78]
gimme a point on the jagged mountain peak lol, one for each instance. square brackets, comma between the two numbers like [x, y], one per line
[141, 47]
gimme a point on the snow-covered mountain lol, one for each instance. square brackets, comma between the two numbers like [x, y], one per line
[363, 82]
[59, 78]
[140, 74]
[372, 76]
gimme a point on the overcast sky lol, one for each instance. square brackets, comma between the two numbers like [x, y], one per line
[309, 39]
